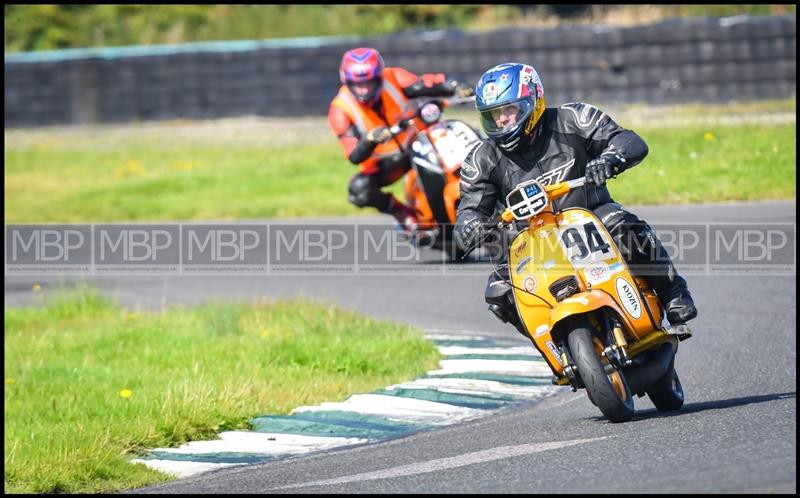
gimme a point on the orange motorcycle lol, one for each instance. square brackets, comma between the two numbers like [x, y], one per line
[596, 325]
[432, 185]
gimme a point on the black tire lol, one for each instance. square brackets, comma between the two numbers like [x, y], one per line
[616, 406]
[667, 393]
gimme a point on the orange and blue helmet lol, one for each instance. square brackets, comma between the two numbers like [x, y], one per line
[361, 70]
[510, 100]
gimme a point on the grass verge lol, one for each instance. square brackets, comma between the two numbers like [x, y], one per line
[89, 384]
[108, 176]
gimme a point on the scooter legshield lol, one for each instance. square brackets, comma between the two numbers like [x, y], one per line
[572, 249]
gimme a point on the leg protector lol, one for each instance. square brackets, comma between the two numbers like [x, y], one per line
[648, 259]
[500, 299]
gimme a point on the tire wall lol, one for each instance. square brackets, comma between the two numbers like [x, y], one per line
[678, 60]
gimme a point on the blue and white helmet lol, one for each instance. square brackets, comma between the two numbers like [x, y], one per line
[510, 100]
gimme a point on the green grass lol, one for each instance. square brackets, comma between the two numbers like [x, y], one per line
[152, 181]
[192, 373]
[96, 176]
[711, 164]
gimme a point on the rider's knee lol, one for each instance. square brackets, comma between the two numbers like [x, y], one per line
[359, 191]
[497, 292]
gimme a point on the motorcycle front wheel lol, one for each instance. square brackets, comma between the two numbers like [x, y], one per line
[608, 391]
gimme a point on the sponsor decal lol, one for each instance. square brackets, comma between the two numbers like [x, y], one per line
[628, 296]
[490, 92]
[615, 268]
[469, 171]
[557, 174]
[554, 350]
[577, 216]
[522, 263]
[526, 74]
[584, 113]
[529, 283]
[541, 330]
[596, 274]
[529, 125]
[521, 247]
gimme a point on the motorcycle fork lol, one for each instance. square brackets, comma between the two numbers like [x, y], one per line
[616, 347]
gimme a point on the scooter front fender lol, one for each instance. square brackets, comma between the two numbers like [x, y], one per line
[585, 302]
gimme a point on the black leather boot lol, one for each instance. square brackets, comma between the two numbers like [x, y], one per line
[499, 297]
[680, 309]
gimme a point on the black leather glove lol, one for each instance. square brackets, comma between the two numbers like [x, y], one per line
[600, 169]
[471, 233]
[379, 135]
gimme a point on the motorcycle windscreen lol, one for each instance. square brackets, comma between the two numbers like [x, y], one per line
[453, 140]
[430, 175]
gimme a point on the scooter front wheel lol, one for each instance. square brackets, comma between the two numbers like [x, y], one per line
[609, 391]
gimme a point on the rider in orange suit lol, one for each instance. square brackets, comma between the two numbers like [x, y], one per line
[372, 98]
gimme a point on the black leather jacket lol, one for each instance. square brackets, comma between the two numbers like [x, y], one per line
[567, 138]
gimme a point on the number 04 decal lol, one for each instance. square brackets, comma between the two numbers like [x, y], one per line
[585, 243]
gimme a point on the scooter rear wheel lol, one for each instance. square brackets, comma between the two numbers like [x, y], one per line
[609, 391]
[667, 393]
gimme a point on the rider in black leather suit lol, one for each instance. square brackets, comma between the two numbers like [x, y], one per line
[526, 140]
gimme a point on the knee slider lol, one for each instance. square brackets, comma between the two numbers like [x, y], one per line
[359, 191]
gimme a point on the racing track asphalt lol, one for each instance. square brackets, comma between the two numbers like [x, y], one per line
[737, 431]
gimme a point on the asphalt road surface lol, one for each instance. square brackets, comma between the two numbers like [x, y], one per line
[736, 433]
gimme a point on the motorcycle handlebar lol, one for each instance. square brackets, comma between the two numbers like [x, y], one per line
[460, 100]
[400, 126]
[442, 102]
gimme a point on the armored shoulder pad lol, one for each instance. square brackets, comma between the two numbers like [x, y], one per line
[581, 118]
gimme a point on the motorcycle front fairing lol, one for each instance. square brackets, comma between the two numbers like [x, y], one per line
[436, 158]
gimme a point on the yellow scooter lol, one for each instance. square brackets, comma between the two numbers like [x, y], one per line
[596, 325]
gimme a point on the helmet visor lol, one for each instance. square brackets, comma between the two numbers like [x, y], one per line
[506, 117]
[364, 90]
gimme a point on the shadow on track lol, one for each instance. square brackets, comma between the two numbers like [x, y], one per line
[707, 405]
